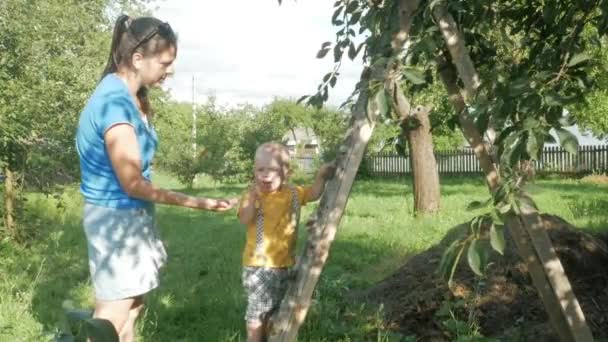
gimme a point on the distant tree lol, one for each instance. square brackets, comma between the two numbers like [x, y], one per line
[50, 61]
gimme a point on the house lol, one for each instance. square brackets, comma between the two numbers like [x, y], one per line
[301, 142]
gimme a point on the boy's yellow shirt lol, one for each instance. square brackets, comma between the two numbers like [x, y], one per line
[279, 231]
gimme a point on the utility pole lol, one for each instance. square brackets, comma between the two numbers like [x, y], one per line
[193, 121]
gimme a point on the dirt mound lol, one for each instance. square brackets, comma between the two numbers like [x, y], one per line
[506, 303]
[595, 179]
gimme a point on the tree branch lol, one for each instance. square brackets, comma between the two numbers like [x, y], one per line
[457, 47]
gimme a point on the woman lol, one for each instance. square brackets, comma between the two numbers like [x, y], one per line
[116, 143]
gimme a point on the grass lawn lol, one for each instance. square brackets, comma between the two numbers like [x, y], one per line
[201, 299]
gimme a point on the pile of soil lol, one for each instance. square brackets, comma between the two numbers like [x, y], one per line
[507, 304]
[595, 179]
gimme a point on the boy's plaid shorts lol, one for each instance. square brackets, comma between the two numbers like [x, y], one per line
[265, 288]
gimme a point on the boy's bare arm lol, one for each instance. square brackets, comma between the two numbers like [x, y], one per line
[248, 207]
[325, 172]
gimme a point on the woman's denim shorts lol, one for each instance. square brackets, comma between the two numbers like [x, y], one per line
[125, 252]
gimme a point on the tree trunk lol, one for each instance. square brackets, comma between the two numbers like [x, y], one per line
[533, 243]
[415, 124]
[322, 228]
[417, 128]
[425, 176]
[9, 203]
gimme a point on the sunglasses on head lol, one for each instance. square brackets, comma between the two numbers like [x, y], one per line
[163, 29]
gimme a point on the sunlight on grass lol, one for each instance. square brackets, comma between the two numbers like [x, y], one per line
[201, 299]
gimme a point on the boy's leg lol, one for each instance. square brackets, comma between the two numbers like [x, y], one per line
[265, 289]
[251, 284]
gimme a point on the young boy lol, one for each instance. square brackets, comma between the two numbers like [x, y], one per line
[270, 209]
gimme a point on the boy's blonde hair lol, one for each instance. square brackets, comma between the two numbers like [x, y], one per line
[277, 151]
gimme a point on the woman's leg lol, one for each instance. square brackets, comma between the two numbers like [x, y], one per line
[255, 331]
[121, 313]
[127, 334]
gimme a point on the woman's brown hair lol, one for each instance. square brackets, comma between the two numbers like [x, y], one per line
[145, 35]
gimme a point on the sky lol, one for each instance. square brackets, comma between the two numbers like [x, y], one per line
[251, 51]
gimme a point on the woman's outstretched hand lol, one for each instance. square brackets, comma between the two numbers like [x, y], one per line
[217, 204]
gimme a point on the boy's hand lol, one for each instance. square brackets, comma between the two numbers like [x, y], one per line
[328, 170]
[254, 191]
[217, 204]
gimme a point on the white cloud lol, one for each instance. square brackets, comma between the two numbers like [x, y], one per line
[252, 51]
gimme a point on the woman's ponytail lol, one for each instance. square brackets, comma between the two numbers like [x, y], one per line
[120, 27]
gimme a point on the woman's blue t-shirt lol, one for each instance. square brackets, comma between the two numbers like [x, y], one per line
[110, 104]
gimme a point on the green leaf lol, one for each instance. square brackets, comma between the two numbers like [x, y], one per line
[509, 151]
[549, 13]
[549, 139]
[445, 310]
[553, 99]
[500, 194]
[352, 6]
[100, 330]
[337, 13]
[495, 217]
[414, 76]
[497, 238]
[504, 207]
[338, 52]
[327, 76]
[532, 146]
[478, 204]
[448, 258]
[519, 86]
[504, 134]
[450, 261]
[322, 53]
[531, 123]
[476, 223]
[474, 257]
[435, 3]
[352, 51]
[567, 140]
[518, 152]
[359, 48]
[475, 205]
[578, 58]
[333, 80]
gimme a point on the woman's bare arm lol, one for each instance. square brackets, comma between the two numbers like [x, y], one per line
[123, 149]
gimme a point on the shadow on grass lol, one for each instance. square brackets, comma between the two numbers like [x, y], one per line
[399, 186]
[200, 297]
[63, 269]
